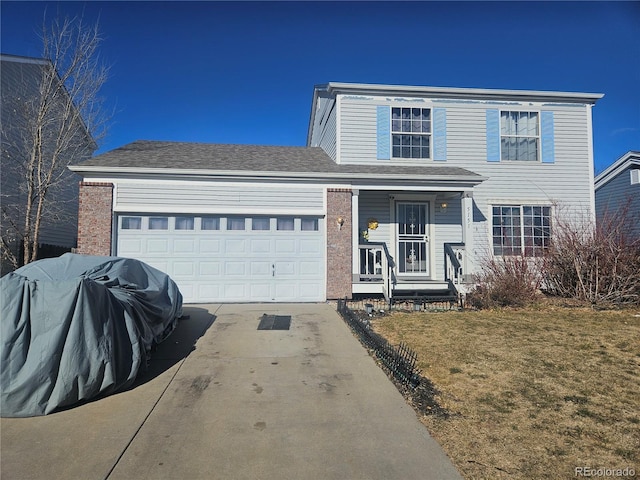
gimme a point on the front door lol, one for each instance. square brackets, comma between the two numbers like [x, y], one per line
[413, 238]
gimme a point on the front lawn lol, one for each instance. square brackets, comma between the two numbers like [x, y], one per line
[532, 393]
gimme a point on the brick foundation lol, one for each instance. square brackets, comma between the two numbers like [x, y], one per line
[339, 249]
[95, 218]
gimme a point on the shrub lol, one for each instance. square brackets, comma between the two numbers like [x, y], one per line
[506, 282]
[598, 263]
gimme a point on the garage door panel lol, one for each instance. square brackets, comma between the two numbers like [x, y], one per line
[187, 289]
[262, 269]
[309, 291]
[260, 292]
[285, 268]
[261, 246]
[130, 246]
[312, 246]
[184, 269]
[285, 245]
[207, 268]
[235, 246]
[309, 268]
[238, 269]
[209, 246]
[208, 291]
[184, 246]
[235, 291]
[157, 245]
[285, 291]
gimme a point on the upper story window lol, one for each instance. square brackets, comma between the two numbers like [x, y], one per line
[411, 132]
[519, 136]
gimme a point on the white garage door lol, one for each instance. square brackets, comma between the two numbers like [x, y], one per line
[231, 259]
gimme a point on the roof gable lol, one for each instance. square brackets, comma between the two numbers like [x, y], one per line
[631, 158]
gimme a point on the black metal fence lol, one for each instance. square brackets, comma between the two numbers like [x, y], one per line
[398, 361]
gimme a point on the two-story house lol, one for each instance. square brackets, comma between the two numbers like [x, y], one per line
[400, 191]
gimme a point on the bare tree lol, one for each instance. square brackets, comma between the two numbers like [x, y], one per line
[54, 118]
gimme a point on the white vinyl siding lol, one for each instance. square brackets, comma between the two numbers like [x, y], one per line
[324, 127]
[213, 197]
[566, 182]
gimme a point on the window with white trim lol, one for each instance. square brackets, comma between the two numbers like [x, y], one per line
[519, 136]
[521, 229]
[411, 132]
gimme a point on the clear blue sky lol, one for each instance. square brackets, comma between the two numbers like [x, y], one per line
[243, 72]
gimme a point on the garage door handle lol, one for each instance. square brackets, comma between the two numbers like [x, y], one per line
[273, 269]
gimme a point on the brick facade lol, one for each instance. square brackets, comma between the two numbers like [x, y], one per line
[95, 218]
[339, 251]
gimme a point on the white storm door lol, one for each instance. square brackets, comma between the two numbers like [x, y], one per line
[413, 240]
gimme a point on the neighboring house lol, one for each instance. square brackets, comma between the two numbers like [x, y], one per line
[617, 191]
[21, 90]
[401, 191]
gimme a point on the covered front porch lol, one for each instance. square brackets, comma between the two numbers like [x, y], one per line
[412, 244]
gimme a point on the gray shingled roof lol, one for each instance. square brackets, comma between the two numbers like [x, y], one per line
[251, 158]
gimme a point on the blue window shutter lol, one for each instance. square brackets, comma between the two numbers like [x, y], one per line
[439, 134]
[493, 135]
[384, 133]
[547, 137]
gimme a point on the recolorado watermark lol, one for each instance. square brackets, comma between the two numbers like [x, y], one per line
[604, 472]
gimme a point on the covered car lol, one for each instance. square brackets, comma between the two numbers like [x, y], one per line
[77, 327]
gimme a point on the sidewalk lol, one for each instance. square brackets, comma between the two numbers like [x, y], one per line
[304, 403]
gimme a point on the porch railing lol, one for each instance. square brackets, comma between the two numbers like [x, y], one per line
[453, 263]
[376, 265]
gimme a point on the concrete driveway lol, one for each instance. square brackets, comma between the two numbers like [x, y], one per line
[224, 400]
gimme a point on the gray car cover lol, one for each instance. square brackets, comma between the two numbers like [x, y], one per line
[77, 327]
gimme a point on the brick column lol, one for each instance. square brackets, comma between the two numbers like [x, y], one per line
[95, 213]
[339, 241]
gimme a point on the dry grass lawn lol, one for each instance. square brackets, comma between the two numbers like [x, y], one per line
[533, 393]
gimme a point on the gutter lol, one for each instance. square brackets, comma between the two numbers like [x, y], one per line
[458, 93]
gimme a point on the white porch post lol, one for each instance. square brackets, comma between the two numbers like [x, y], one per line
[467, 231]
[355, 233]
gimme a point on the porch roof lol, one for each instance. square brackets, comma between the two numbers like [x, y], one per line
[180, 159]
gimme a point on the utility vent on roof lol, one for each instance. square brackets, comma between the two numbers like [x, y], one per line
[274, 322]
